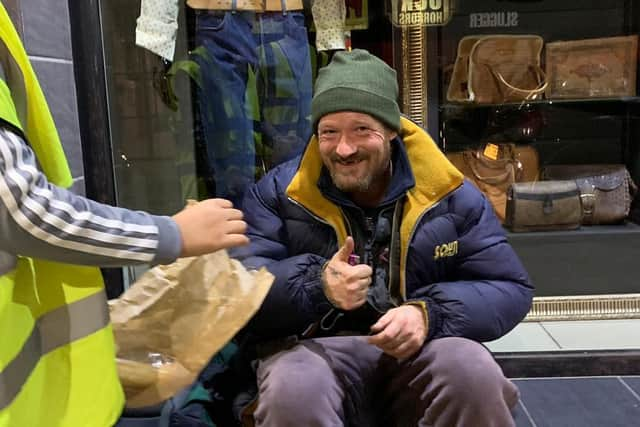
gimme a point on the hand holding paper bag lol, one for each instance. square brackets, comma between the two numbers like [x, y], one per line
[171, 322]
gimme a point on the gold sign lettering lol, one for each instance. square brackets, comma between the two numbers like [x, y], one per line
[421, 13]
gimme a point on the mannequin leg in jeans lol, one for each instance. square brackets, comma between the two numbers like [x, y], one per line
[332, 381]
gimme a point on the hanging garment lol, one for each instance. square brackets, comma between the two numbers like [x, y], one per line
[329, 19]
[157, 27]
[255, 97]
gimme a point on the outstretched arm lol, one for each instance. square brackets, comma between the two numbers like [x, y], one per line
[41, 220]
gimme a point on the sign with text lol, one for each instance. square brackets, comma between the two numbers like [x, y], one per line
[421, 13]
[503, 19]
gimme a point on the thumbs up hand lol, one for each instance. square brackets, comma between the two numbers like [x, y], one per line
[346, 285]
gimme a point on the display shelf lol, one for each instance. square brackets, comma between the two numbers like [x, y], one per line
[585, 231]
[446, 106]
[592, 260]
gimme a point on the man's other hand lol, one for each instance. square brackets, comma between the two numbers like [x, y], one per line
[400, 332]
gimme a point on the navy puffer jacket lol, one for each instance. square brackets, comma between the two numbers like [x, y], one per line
[454, 259]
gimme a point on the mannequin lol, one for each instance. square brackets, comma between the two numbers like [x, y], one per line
[254, 101]
[256, 87]
[250, 5]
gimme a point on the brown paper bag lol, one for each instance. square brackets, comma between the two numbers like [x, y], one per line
[173, 319]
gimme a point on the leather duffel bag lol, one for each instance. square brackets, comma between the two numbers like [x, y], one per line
[458, 90]
[606, 190]
[543, 206]
[497, 68]
[506, 68]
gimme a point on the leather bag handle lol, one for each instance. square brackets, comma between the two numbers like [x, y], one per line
[529, 93]
[493, 180]
[509, 156]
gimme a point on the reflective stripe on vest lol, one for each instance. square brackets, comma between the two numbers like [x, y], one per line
[55, 329]
[57, 358]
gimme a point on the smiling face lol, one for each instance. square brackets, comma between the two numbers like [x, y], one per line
[356, 149]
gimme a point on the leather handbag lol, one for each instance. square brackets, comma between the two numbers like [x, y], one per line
[506, 68]
[592, 68]
[494, 174]
[458, 90]
[606, 190]
[543, 206]
[526, 159]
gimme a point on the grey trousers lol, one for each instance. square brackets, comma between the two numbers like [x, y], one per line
[340, 381]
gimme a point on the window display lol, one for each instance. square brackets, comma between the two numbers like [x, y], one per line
[543, 117]
[502, 69]
[253, 90]
[510, 92]
[255, 96]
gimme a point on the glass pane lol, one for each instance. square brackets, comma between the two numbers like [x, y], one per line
[524, 105]
[151, 117]
[254, 96]
[234, 102]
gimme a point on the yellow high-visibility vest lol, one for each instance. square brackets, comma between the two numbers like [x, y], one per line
[57, 354]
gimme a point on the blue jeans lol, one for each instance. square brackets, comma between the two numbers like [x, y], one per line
[255, 97]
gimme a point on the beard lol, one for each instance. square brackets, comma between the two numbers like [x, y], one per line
[371, 169]
[364, 181]
[349, 184]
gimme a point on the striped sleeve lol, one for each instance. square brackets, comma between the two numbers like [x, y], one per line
[41, 220]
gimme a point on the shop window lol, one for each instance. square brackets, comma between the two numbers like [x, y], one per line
[553, 93]
[536, 102]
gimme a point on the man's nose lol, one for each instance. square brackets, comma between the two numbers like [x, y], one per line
[345, 147]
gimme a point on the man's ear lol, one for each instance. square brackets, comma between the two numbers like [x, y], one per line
[391, 134]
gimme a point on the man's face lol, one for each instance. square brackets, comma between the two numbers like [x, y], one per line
[355, 148]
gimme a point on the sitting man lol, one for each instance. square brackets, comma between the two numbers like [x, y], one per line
[390, 269]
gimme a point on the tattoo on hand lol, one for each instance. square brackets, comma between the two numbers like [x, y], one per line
[334, 272]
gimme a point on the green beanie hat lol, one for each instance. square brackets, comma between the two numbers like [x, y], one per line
[357, 81]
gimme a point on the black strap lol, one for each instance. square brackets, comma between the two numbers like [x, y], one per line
[394, 254]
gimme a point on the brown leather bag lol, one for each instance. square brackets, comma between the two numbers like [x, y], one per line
[543, 206]
[458, 90]
[603, 67]
[606, 190]
[527, 161]
[493, 176]
[506, 68]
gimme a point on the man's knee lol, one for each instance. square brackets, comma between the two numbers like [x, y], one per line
[469, 368]
[289, 379]
[454, 354]
[295, 373]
